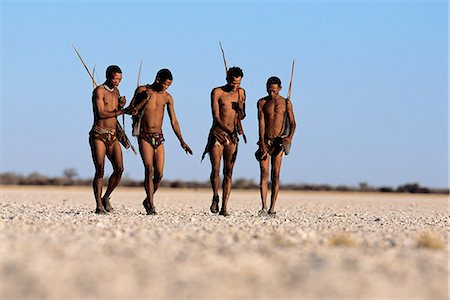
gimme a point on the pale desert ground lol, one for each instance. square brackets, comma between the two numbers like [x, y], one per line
[320, 246]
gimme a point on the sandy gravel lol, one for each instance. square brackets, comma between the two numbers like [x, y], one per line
[320, 246]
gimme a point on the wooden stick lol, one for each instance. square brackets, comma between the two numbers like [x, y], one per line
[139, 75]
[224, 59]
[93, 74]
[290, 83]
[89, 72]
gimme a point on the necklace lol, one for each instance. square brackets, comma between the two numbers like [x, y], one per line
[108, 88]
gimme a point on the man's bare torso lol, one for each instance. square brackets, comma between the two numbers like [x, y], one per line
[273, 110]
[153, 110]
[225, 101]
[110, 102]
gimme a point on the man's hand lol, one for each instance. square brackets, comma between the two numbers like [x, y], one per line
[264, 150]
[130, 110]
[286, 140]
[122, 101]
[186, 147]
[261, 154]
[221, 138]
[236, 107]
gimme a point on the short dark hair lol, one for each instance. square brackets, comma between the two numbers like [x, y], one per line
[234, 72]
[112, 69]
[273, 80]
[164, 74]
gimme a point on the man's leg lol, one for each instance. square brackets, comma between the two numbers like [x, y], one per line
[263, 183]
[275, 178]
[215, 156]
[147, 152]
[158, 166]
[98, 152]
[114, 153]
[229, 157]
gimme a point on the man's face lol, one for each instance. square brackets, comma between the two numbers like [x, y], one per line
[234, 82]
[115, 79]
[273, 90]
[164, 84]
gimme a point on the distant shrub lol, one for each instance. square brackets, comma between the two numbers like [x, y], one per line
[242, 183]
[386, 189]
[342, 188]
[35, 178]
[412, 188]
[10, 178]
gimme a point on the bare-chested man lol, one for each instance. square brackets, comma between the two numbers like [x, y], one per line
[273, 112]
[147, 107]
[228, 108]
[106, 103]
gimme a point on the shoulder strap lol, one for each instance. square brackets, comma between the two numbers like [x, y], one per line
[284, 119]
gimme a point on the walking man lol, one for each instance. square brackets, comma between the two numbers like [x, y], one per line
[147, 107]
[228, 108]
[275, 114]
[106, 104]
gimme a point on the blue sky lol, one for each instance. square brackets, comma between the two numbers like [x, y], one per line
[370, 91]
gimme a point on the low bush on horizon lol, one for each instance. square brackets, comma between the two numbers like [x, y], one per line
[69, 178]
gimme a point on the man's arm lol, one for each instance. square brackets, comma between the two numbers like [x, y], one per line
[240, 105]
[261, 124]
[139, 99]
[103, 113]
[175, 124]
[215, 111]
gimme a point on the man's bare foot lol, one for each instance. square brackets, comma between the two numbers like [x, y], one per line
[272, 213]
[223, 212]
[214, 208]
[107, 205]
[151, 212]
[100, 211]
[148, 209]
[262, 212]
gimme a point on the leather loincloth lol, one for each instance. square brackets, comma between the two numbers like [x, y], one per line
[107, 136]
[154, 139]
[218, 137]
